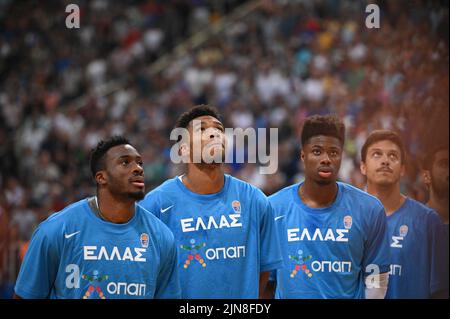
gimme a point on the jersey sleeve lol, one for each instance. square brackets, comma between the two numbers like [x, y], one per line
[168, 284]
[40, 266]
[376, 253]
[437, 238]
[270, 250]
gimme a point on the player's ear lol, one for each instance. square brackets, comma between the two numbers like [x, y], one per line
[184, 150]
[363, 168]
[402, 170]
[100, 177]
[426, 176]
[302, 155]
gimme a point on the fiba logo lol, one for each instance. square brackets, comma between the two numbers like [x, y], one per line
[348, 221]
[403, 230]
[144, 240]
[236, 206]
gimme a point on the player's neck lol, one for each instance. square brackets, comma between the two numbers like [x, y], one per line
[318, 196]
[390, 196]
[440, 205]
[204, 179]
[114, 210]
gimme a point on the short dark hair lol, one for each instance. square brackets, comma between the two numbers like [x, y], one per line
[197, 111]
[429, 158]
[328, 125]
[97, 156]
[383, 135]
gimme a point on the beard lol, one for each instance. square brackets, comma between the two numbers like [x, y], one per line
[440, 189]
[137, 195]
[385, 181]
[324, 182]
[119, 188]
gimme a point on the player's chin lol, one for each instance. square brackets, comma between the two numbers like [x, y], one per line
[385, 181]
[323, 181]
[137, 195]
[215, 156]
[217, 151]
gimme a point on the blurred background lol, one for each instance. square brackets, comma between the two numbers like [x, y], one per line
[134, 66]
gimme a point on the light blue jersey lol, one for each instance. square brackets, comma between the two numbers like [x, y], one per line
[327, 251]
[416, 241]
[75, 254]
[224, 239]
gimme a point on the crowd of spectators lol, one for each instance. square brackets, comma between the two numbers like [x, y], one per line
[282, 62]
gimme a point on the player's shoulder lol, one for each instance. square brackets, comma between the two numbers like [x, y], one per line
[246, 188]
[159, 228]
[67, 213]
[71, 213]
[148, 216]
[358, 195]
[420, 210]
[169, 186]
[283, 194]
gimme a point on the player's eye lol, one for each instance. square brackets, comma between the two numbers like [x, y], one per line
[334, 153]
[376, 154]
[316, 151]
[125, 162]
[393, 157]
[443, 163]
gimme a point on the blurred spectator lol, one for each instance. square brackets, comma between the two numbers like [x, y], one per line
[23, 221]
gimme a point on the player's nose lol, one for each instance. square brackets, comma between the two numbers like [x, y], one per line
[214, 134]
[325, 159]
[385, 160]
[138, 169]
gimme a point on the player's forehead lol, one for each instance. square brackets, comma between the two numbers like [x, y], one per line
[323, 141]
[384, 146]
[205, 120]
[441, 155]
[121, 151]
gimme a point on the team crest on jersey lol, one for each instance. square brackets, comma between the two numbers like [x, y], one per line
[348, 221]
[403, 230]
[236, 206]
[144, 240]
